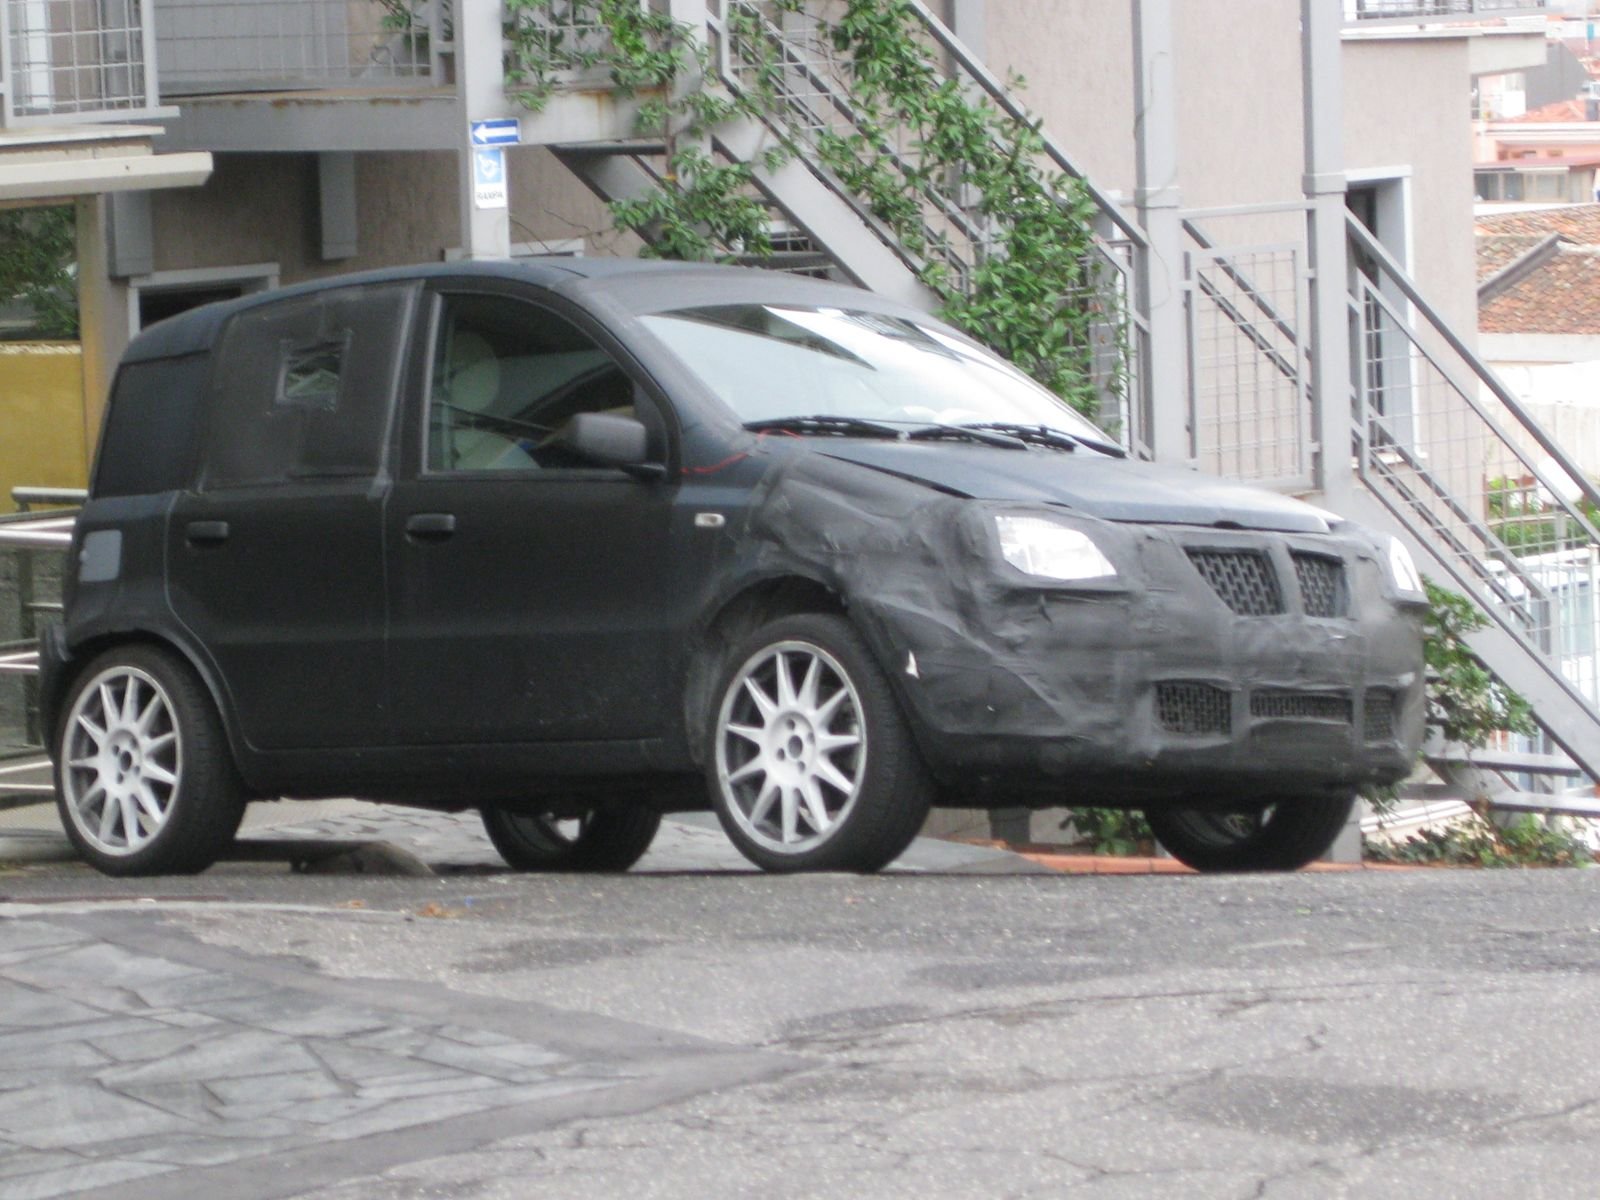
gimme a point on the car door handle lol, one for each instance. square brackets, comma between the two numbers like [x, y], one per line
[206, 531]
[431, 525]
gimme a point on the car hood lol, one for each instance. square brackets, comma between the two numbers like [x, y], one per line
[1113, 489]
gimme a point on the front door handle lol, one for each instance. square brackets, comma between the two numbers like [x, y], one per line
[206, 531]
[432, 526]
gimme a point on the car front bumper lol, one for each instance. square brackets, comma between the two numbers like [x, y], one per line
[1159, 688]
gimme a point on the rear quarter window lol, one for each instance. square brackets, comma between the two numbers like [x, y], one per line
[148, 444]
[304, 388]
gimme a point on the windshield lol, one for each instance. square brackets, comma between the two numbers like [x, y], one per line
[769, 361]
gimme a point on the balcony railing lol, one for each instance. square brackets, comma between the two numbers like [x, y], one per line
[210, 47]
[67, 61]
[1366, 12]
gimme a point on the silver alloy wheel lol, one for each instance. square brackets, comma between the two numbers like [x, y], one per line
[791, 746]
[122, 760]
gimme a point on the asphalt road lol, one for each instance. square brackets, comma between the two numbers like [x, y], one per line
[707, 1032]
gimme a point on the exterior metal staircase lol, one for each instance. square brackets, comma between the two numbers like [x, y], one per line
[1440, 453]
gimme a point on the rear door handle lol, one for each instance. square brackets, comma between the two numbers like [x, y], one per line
[431, 525]
[206, 531]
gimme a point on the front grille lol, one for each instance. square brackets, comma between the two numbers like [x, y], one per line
[1281, 705]
[1243, 578]
[1377, 716]
[1322, 588]
[1193, 708]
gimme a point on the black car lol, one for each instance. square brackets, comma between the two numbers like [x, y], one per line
[580, 542]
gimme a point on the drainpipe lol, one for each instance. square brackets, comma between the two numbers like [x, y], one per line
[1321, 45]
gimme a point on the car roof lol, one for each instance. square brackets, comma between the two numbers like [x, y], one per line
[638, 285]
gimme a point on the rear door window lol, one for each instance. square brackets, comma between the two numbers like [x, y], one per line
[304, 388]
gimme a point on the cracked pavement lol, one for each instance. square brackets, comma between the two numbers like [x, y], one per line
[706, 1032]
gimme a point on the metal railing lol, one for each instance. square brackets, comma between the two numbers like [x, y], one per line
[1250, 403]
[66, 61]
[1459, 462]
[793, 55]
[28, 537]
[225, 46]
[1366, 12]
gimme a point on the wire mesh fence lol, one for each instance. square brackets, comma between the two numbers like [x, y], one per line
[1250, 404]
[1459, 465]
[220, 46]
[74, 59]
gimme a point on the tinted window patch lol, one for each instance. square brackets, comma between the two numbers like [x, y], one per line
[304, 387]
[149, 439]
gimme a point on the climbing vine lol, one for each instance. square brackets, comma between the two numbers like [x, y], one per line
[1032, 290]
[1021, 278]
[705, 208]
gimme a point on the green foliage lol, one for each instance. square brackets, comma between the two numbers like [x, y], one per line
[1468, 704]
[706, 208]
[1113, 830]
[1528, 523]
[38, 249]
[1034, 293]
[1525, 842]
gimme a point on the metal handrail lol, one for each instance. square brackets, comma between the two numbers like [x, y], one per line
[1395, 273]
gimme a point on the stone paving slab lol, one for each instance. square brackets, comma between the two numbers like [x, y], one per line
[136, 1062]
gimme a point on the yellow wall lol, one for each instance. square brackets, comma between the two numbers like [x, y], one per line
[42, 438]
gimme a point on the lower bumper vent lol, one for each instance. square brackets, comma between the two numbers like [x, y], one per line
[1276, 705]
[1193, 708]
[1377, 717]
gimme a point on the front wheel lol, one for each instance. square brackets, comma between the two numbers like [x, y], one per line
[1281, 836]
[601, 839]
[811, 765]
[144, 780]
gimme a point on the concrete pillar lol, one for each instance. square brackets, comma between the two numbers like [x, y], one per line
[1321, 46]
[1160, 281]
[103, 316]
[480, 81]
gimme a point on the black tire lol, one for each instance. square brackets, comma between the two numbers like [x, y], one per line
[145, 782]
[1282, 836]
[603, 839]
[831, 752]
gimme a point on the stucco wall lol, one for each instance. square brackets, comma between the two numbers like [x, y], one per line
[263, 208]
[1409, 103]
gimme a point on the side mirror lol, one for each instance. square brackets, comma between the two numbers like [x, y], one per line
[608, 440]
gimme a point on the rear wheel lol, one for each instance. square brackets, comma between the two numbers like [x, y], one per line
[144, 781]
[811, 765]
[600, 839]
[1281, 836]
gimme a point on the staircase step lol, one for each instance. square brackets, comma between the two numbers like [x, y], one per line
[1497, 760]
[1569, 804]
[637, 148]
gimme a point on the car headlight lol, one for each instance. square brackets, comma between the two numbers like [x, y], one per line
[1403, 571]
[1040, 546]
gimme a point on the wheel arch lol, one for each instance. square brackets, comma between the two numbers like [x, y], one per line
[738, 615]
[84, 652]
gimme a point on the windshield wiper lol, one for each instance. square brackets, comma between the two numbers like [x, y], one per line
[970, 433]
[826, 423]
[1045, 435]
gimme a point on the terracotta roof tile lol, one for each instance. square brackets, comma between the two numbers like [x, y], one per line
[1562, 111]
[1579, 223]
[1560, 296]
[1497, 250]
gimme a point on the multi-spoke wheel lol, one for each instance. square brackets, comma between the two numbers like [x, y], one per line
[599, 839]
[811, 765]
[143, 778]
[1281, 836]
